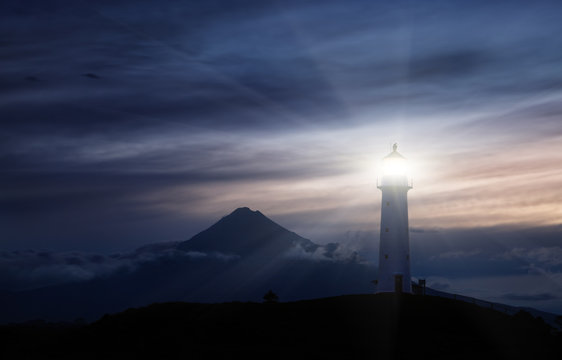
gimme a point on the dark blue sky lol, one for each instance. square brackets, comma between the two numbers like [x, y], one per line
[133, 122]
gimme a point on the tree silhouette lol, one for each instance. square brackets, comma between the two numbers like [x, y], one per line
[270, 297]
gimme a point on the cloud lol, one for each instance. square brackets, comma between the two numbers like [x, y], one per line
[326, 252]
[21, 270]
[28, 269]
[195, 64]
[541, 256]
[458, 254]
[454, 64]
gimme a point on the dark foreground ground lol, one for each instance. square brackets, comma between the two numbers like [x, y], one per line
[385, 326]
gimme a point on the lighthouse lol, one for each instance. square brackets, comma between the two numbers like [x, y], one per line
[394, 254]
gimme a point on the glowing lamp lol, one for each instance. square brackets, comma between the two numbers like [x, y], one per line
[395, 171]
[394, 164]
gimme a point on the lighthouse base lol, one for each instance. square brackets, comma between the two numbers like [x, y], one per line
[395, 283]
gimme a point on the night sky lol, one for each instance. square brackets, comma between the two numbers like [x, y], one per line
[132, 122]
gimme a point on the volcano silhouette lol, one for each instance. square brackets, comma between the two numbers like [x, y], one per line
[247, 233]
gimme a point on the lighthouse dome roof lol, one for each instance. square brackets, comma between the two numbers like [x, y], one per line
[394, 154]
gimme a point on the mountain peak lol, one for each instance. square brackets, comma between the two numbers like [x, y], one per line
[244, 232]
[249, 216]
[244, 211]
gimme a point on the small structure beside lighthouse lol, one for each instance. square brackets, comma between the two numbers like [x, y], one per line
[394, 254]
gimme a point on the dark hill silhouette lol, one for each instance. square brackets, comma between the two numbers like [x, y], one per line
[382, 326]
[237, 259]
[247, 233]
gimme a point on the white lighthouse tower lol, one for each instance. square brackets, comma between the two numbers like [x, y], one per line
[394, 255]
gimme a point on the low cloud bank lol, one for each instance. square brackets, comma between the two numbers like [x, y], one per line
[545, 256]
[27, 269]
[328, 252]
